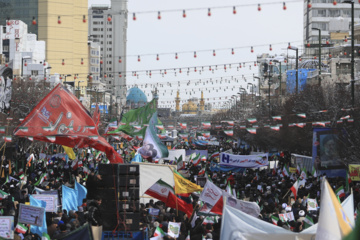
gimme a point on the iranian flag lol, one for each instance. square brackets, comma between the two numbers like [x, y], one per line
[160, 190]
[274, 220]
[161, 136]
[340, 192]
[41, 179]
[196, 160]
[139, 137]
[300, 125]
[24, 129]
[302, 115]
[298, 169]
[183, 136]
[231, 123]
[218, 126]
[203, 158]
[159, 232]
[308, 221]
[51, 138]
[202, 172]
[21, 228]
[206, 134]
[294, 188]
[350, 120]
[285, 171]
[160, 127]
[137, 127]
[206, 124]
[183, 125]
[22, 176]
[170, 126]
[346, 117]
[291, 124]
[242, 127]
[252, 120]
[276, 118]
[313, 172]
[229, 132]
[2, 129]
[7, 138]
[215, 155]
[276, 128]
[3, 194]
[303, 174]
[251, 130]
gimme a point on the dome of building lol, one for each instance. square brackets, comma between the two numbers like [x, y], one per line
[189, 108]
[135, 98]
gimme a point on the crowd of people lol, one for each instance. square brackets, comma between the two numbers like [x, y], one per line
[267, 187]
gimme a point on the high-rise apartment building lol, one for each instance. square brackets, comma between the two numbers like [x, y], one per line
[63, 25]
[108, 26]
[324, 15]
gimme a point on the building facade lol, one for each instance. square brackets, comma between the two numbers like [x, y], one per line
[108, 27]
[63, 25]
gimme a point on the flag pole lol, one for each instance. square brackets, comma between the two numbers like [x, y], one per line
[286, 193]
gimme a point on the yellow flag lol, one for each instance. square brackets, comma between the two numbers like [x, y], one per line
[183, 185]
[70, 152]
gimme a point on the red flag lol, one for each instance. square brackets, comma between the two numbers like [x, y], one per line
[181, 204]
[96, 116]
[60, 118]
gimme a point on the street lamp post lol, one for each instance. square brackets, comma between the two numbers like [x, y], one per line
[280, 77]
[267, 74]
[78, 88]
[318, 29]
[258, 88]
[252, 92]
[296, 67]
[352, 53]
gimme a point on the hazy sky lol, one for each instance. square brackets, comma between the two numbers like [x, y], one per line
[197, 32]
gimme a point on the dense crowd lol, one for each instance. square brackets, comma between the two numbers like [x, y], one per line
[268, 188]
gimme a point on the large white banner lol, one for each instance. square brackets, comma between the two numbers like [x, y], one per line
[245, 161]
[176, 153]
[250, 208]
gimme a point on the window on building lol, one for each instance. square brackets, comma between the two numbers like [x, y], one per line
[109, 82]
[109, 29]
[321, 25]
[34, 72]
[334, 13]
[346, 13]
[5, 48]
[319, 13]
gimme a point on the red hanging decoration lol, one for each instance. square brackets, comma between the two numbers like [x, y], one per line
[184, 14]
[300, 59]
[270, 48]
[101, 61]
[334, 3]
[120, 61]
[345, 53]
[63, 62]
[195, 69]
[25, 64]
[254, 64]
[209, 12]
[259, 7]
[345, 40]
[75, 77]
[45, 78]
[90, 77]
[159, 15]
[60, 77]
[120, 74]
[240, 65]
[308, 44]
[84, 19]
[252, 49]
[180, 70]
[232, 51]
[30, 78]
[59, 20]
[234, 10]
[134, 17]
[224, 67]
[327, 41]
[309, 5]
[209, 68]
[109, 18]
[214, 53]
[330, 56]
[82, 61]
[34, 21]
[8, 22]
[195, 54]
[270, 63]
[165, 71]
[289, 46]
[157, 57]
[314, 57]
[285, 61]
[176, 56]
[150, 73]
[14, 78]
[6, 64]
[105, 76]
[44, 64]
[139, 58]
[284, 5]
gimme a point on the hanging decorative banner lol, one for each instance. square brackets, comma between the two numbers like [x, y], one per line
[218, 126]
[301, 125]
[245, 161]
[5, 89]
[346, 117]
[231, 123]
[276, 118]
[302, 115]
[276, 128]
[252, 120]
[170, 126]
[251, 130]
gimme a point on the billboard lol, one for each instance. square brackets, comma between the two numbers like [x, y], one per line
[354, 172]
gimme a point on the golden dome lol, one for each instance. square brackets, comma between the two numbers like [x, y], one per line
[190, 107]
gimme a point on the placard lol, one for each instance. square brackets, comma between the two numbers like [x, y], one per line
[51, 201]
[7, 227]
[31, 215]
[52, 192]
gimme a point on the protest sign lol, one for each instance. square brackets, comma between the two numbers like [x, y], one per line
[52, 192]
[31, 215]
[312, 204]
[174, 229]
[7, 227]
[51, 201]
[244, 161]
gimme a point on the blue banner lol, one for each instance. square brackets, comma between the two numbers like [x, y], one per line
[214, 167]
[69, 198]
[81, 192]
[43, 228]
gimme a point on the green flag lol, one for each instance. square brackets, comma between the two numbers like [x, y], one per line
[136, 117]
[355, 234]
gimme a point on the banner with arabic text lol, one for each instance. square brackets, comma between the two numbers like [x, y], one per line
[244, 161]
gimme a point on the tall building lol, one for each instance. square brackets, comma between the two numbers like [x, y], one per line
[320, 14]
[108, 26]
[63, 25]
